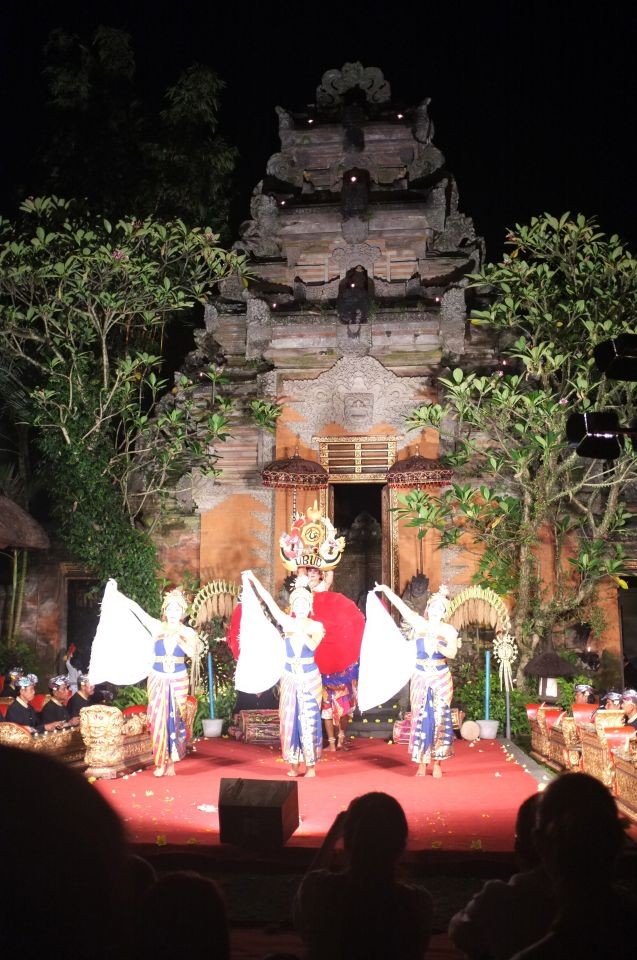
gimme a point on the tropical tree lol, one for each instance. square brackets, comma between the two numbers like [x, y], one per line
[108, 143]
[84, 306]
[563, 288]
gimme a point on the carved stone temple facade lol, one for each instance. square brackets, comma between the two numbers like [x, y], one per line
[358, 298]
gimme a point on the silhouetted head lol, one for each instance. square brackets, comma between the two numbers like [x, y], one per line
[184, 913]
[374, 833]
[525, 845]
[579, 833]
[57, 832]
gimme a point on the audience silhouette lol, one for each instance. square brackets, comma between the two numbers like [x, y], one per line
[65, 850]
[183, 914]
[363, 912]
[506, 917]
[579, 837]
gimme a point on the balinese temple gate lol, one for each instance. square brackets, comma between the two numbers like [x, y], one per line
[358, 298]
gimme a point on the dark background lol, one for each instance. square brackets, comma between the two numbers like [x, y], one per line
[533, 103]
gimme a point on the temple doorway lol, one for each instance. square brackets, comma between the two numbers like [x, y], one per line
[83, 610]
[357, 515]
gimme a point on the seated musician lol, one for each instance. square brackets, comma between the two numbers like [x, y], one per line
[56, 711]
[611, 700]
[83, 697]
[21, 710]
[584, 693]
[629, 706]
[10, 688]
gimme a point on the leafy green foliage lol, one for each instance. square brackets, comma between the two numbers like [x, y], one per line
[265, 413]
[108, 143]
[225, 699]
[469, 687]
[84, 302]
[135, 695]
[17, 654]
[562, 289]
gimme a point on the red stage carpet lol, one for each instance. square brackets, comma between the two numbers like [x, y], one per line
[471, 808]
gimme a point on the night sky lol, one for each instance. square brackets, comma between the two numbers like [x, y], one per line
[533, 103]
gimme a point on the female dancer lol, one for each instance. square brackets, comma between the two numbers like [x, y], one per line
[337, 656]
[431, 687]
[168, 685]
[130, 646]
[288, 659]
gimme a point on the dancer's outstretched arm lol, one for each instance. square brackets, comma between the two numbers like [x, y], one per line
[267, 597]
[406, 612]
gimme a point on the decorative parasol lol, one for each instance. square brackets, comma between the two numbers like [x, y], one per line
[417, 471]
[290, 473]
[19, 529]
[549, 664]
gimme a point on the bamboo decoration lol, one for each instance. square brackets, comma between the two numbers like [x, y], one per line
[216, 599]
[477, 605]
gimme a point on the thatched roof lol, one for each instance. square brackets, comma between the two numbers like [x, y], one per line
[549, 664]
[19, 529]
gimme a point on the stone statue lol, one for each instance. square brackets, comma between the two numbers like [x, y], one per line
[424, 127]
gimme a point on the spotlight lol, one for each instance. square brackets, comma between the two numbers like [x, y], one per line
[353, 179]
[618, 358]
[310, 120]
[595, 435]
[400, 116]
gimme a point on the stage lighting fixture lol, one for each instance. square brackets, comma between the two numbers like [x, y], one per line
[617, 358]
[595, 435]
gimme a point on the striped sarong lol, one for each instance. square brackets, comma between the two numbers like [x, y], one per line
[431, 691]
[300, 710]
[167, 695]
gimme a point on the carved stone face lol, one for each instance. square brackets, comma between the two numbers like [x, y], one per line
[358, 408]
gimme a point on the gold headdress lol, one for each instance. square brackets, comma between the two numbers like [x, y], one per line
[312, 542]
[301, 588]
[440, 596]
[175, 596]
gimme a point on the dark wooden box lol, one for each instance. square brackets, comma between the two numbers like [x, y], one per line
[257, 813]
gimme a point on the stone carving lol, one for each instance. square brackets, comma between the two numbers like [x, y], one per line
[257, 311]
[356, 393]
[286, 121]
[453, 312]
[335, 83]
[208, 493]
[423, 126]
[102, 730]
[355, 230]
[281, 166]
[425, 162]
[355, 339]
[260, 236]
[459, 230]
[210, 317]
[416, 593]
[355, 254]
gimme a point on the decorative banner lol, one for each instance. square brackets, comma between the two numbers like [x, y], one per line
[506, 651]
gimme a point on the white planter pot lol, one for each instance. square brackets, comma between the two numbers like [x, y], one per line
[488, 729]
[212, 728]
